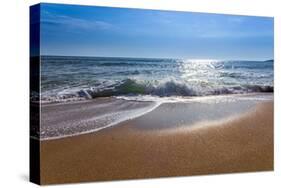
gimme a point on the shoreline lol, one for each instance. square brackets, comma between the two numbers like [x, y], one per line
[240, 144]
[83, 100]
[84, 116]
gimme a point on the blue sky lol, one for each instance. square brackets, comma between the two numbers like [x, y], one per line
[119, 32]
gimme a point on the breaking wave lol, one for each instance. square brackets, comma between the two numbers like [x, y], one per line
[169, 88]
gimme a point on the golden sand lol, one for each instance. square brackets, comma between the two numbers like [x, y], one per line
[242, 144]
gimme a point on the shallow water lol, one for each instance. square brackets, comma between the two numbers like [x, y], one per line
[74, 118]
[68, 119]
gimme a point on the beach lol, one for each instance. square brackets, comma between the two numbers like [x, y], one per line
[119, 94]
[167, 140]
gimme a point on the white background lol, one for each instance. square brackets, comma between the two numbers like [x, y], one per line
[14, 75]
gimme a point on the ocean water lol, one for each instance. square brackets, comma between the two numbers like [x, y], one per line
[83, 78]
[114, 90]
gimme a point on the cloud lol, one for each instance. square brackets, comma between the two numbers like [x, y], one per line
[69, 22]
[235, 19]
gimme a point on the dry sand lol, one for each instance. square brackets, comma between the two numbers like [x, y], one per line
[241, 144]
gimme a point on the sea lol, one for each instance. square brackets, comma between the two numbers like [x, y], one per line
[86, 94]
[66, 78]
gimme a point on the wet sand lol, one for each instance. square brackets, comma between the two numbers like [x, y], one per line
[243, 143]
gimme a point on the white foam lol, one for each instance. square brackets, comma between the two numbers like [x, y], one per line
[203, 99]
[109, 120]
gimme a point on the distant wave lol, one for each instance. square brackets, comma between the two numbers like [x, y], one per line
[110, 64]
[164, 89]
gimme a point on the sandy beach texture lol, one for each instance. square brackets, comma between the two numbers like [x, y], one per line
[126, 151]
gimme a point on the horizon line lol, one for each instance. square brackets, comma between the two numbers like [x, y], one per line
[213, 59]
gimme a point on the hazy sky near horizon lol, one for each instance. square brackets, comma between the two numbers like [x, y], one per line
[120, 32]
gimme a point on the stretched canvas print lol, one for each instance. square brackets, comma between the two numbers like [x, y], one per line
[121, 93]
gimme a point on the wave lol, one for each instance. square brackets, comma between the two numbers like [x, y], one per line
[132, 87]
[126, 64]
[169, 88]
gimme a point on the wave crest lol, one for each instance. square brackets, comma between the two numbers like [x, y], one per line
[168, 88]
[132, 87]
